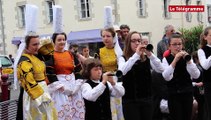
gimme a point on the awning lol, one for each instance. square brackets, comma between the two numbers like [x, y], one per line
[86, 36]
[17, 40]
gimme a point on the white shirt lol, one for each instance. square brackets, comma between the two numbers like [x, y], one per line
[126, 66]
[169, 70]
[205, 62]
[92, 94]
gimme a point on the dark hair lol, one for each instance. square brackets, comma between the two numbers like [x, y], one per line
[176, 36]
[28, 39]
[123, 26]
[110, 29]
[84, 46]
[88, 65]
[56, 34]
[128, 52]
[73, 45]
[195, 56]
[203, 42]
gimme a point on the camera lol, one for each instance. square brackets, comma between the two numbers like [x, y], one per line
[118, 74]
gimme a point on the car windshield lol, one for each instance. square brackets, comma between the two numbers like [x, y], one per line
[5, 62]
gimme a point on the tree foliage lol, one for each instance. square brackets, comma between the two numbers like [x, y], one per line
[191, 37]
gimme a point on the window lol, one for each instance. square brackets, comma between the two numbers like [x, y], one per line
[209, 13]
[166, 10]
[142, 8]
[84, 11]
[21, 15]
[148, 34]
[187, 2]
[188, 15]
[199, 17]
[199, 14]
[50, 11]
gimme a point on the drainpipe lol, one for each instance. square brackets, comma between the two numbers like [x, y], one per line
[115, 12]
[206, 12]
[182, 17]
[2, 29]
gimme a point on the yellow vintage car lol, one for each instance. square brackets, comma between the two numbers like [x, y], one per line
[7, 71]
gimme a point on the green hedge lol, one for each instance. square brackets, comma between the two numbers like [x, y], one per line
[191, 37]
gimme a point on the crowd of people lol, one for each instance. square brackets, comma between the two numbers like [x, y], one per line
[96, 95]
[59, 83]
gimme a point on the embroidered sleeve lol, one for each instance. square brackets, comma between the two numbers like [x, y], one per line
[26, 78]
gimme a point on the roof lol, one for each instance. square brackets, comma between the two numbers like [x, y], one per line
[85, 36]
[17, 40]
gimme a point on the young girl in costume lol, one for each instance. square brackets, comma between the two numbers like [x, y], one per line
[179, 68]
[97, 90]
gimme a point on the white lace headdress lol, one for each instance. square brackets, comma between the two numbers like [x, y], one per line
[57, 21]
[31, 17]
[108, 22]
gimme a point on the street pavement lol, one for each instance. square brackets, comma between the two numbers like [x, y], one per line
[14, 94]
[8, 109]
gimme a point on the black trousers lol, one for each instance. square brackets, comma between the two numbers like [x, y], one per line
[207, 96]
[138, 109]
[180, 106]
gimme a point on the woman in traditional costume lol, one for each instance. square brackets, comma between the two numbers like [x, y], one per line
[108, 56]
[64, 89]
[36, 100]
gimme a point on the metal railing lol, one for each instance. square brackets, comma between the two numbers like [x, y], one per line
[8, 110]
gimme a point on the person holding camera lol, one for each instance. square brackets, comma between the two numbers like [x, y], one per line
[179, 69]
[136, 64]
[108, 56]
[97, 90]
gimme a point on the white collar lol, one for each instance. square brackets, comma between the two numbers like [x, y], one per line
[208, 45]
[96, 81]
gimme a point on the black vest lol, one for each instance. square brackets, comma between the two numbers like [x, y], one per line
[100, 109]
[181, 81]
[207, 73]
[137, 81]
